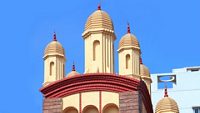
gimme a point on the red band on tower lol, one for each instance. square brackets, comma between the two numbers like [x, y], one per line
[54, 37]
[128, 28]
[166, 94]
[73, 67]
[99, 7]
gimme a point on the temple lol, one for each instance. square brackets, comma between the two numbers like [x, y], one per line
[99, 89]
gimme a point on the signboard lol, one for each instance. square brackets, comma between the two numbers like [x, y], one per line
[166, 81]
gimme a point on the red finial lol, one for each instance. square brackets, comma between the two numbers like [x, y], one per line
[73, 67]
[141, 60]
[128, 28]
[166, 94]
[54, 37]
[99, 7]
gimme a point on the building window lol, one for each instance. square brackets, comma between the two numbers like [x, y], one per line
[196, 109]
[193, 69]
[127, 61]
[96, 49]
[51, 68]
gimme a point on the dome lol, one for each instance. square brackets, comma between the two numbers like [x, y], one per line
[167, 104]
[73, 72]
[144, 71]
[129, 40]
[54, 48]
[99, 19]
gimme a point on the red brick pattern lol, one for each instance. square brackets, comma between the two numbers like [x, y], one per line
[52, 105]
[131, 102]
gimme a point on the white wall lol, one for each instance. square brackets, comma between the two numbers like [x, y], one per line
[186, 92]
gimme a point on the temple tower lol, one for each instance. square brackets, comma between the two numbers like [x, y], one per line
[129, 55]
[54, 62]
[99, 43]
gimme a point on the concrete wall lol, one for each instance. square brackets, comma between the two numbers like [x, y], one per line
[185, 92]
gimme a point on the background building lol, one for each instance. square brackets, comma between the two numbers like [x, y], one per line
[183, 86]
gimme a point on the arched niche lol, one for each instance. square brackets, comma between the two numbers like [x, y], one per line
[51, 68]
[96, 49]
[70, 110]
[90, 109]
[128, 61]
[110, 108]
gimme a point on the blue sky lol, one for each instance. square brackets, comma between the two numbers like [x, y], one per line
[168, 32]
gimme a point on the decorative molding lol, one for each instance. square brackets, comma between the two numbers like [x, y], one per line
[97, 82]
[100, 102]
[80, 103]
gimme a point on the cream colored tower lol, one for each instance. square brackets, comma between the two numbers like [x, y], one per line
[54, 62]
[99, 43]
[129, 55]
[145, 74]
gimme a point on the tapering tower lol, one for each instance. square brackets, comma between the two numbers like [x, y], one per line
[99, 39]
[54, 61]
[129, 55]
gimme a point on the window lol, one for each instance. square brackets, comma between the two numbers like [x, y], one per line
[193, 69]
[196, 109]
[127, 61]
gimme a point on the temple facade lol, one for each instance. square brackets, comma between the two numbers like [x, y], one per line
[99, 89]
